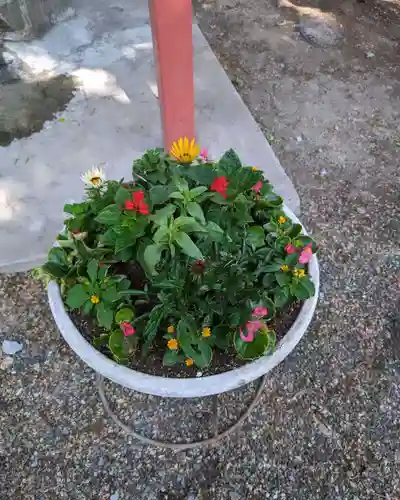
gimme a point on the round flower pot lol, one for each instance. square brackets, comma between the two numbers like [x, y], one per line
[184, 387]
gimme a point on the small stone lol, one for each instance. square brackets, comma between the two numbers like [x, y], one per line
[115, 496]
[199, 374]
[11, 347]
[6, 363]
[323, 172]
[368, 55]
[299, 138]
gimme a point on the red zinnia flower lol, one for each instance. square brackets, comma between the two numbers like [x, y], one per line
[220, 185]
[137, 203]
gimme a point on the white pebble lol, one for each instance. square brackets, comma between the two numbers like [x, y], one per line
[11, 347]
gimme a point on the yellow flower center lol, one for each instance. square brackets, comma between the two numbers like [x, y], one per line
[300, 273]
[172, 344]
[171, 329]
[282, 219]
[285, 267]
[254, 169]
[94, 299]
[189, 362]
[95, 180]
[206, 332]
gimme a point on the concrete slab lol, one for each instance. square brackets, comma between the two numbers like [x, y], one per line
[112, 118]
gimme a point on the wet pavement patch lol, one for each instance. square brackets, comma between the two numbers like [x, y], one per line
[25, 106]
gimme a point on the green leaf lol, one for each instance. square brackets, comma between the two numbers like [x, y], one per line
[281, 297]
[161, 216]
[283, 278]
[301, 290]
[105, 315]
[154, 320]
[202, 174]
[188, 224]
[187, 245]
[102, 340]
[196, 211]
[171, 358]
[160, 194]
[254, 349]
[76, 208]
[109, 215]
[55, 270]
[161, 235]
[110, 294]
[256, 236]
[295, 230]
[128, 293]
[177, 195]
[229, 163]
[291, 259]
[117, 345]
[307, 283]
[197, 191]
[124, 314]
[92, 269]
[204, 357]
[87, 307]
[215, 232]
[121, 196]
[268, 280]
[77, 296]
[58, 256]
[271, 268]
[152, 256]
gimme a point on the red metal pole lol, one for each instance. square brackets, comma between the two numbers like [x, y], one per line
[171, 24]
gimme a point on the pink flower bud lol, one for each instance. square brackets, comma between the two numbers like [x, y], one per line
[127, 329]
[290, 249]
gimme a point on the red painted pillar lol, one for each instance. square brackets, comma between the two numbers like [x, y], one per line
[171, 24]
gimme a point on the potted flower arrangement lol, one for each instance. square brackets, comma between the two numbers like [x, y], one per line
[178, 281]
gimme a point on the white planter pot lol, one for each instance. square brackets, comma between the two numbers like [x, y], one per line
[184, 387]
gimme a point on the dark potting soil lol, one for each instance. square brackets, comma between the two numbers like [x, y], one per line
[152, 363]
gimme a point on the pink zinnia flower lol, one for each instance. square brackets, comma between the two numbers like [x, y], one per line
[251, 327]
[259, 312]
[289, 249]
[204, 154]
[127, 329]
[306, 255]
[257, 187]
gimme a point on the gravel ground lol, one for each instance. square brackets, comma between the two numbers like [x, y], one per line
[328, 425]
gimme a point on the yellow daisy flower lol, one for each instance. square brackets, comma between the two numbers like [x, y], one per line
[282, 219]
[285, 268]
[300, 273]
[94, 299]
[171, 329]
[255, 169]
[172, 344]
[206, 332]
[185, 151]
[189, 362]
[94, 177]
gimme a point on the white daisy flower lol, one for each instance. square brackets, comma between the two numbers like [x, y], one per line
[94, 177]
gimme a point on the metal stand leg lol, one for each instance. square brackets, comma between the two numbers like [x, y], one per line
[182, 446]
